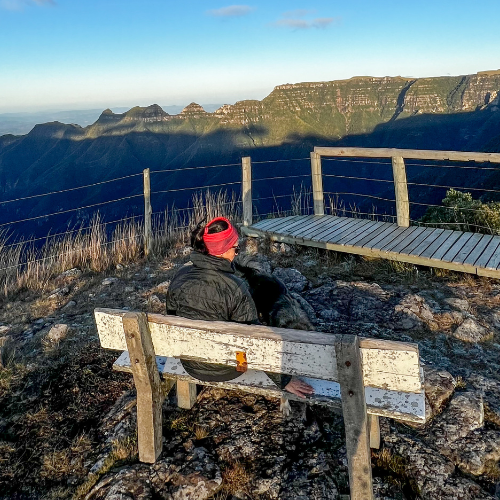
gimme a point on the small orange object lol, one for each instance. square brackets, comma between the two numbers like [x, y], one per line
[241, 358]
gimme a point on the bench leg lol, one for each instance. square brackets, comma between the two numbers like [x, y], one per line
[186, 394]
[147, 384]
[350, 376]
[374, 423]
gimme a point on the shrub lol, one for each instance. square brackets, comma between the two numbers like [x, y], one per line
[461, 212]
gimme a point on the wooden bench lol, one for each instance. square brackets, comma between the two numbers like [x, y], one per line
[365, 378]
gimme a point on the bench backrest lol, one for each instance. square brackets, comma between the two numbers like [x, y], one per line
[391, 372]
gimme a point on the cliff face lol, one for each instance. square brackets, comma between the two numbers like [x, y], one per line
[331, 110]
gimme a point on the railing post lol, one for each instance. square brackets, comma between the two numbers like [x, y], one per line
[401, 190]
[147, 383]
[148, 231]
[246, 190]
[352, 391]
[317, 184]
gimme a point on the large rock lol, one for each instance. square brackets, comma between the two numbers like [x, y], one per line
[464, 414]
[193, 477]
[413, 312]
[431, 473]
[474, 453]
[293, 279]
[471, 331]
[130, 483]
[57, 333]
[439, 386]
[490, 390]
[423, 465]
[356, 301]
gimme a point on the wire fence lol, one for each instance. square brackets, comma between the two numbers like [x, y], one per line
[273, 195]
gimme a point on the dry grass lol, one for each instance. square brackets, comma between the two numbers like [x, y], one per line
[200, 432]
[235, 478]
[387, 461]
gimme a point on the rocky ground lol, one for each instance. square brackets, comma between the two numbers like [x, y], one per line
[67, 421]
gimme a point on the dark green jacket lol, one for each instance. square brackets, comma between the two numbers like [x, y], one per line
[209, 290]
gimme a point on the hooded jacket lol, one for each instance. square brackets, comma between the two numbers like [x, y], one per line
[209, 290]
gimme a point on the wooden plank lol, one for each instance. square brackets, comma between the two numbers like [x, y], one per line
[468, 248]
[347, 231]
[450, 255]
[360, 231]
[376, 240]
[408, 249]
[495, 258]
[271, 224]
[399, 235]
[487, 253]
[306, 229]
[427, 242]
[349, 367]
[331, 230]
[246, 190]
[265, 223]
[276, 350]
[147, 382]
[300, 221]
[328, 225]
[374, 425]
[399, 405]
[478, 249]
[401, 191]
[186, 394]
[363, 233]
[394, 238]
[317, 184]
[410, 237]
[438, 254]
[427, 253]
[375, 233]
[414, 154]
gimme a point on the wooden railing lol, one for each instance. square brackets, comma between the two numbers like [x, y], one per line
[398, 169]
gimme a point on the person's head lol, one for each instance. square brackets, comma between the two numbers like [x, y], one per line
[219, 237]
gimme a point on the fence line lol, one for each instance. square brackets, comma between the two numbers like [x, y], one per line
[182, 169]
[358, 178]
[69, 189]
[70, 210]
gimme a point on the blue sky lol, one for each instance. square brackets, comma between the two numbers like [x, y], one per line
[70, 54]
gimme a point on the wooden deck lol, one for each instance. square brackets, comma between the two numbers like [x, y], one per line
[442, 248]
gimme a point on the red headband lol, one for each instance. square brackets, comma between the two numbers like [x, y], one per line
[219, 243]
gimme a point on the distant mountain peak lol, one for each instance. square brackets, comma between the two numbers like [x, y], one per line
[193, 109]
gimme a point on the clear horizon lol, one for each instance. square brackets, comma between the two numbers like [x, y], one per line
[108, 53]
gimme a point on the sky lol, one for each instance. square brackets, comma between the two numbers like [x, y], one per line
[70, 54]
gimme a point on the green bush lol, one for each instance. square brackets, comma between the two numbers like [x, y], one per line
[461, 212]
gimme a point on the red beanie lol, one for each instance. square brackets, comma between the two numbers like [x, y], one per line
[219, 243]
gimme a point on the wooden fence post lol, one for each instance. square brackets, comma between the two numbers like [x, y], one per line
[246, 190]
[352, 390]
[148, 231]
[147, 383]
[317, 184]
[401, 190]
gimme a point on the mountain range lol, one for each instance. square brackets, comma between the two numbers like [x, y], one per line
[449, 113]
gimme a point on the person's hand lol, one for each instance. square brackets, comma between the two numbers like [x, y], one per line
[299, 388]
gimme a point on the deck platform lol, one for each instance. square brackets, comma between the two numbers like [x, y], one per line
[466, 252]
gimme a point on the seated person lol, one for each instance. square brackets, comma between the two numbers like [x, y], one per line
[209, 290]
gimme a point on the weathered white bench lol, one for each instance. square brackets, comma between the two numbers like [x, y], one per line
[365, 378]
